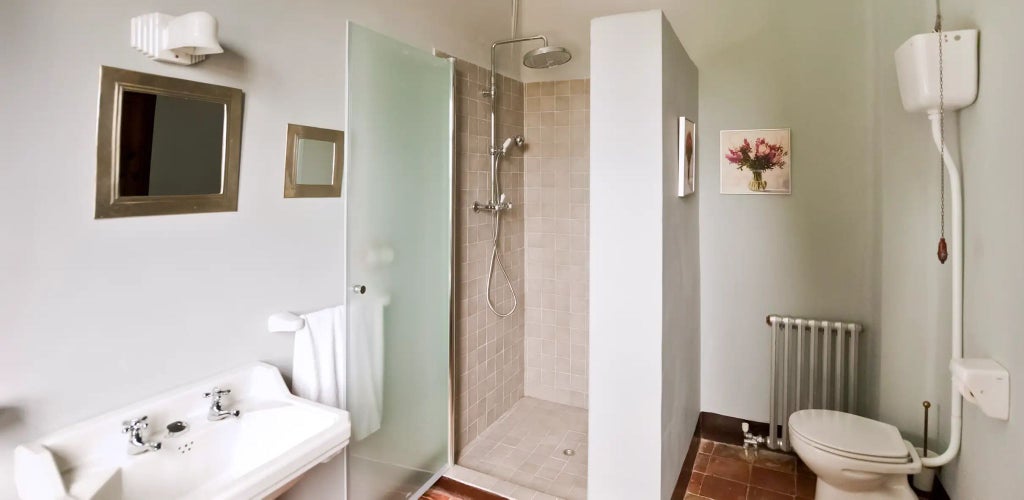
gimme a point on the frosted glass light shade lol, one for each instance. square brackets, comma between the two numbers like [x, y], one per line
[194, 33]
[185, 39]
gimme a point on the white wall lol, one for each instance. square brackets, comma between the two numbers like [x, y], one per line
[915, 288]
[98, 314]
[566, 23]
[907, 354]
[857, 238]
[635, 224]
[990, 461]
[625, 228]
[781, 71]
[801, 66]
[680, 354]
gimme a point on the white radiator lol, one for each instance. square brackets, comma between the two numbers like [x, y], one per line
[813, 365]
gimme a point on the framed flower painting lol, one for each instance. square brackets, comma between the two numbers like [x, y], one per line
[687, 156]
[756, 161]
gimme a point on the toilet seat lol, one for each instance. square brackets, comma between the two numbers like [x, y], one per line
[850, 436]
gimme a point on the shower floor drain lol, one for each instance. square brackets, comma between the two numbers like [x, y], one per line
[568, 452]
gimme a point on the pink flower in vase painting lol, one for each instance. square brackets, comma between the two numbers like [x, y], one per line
[761, 157]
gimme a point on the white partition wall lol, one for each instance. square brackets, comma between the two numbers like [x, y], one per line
[644, 262]
[625, 257]
[680, 266]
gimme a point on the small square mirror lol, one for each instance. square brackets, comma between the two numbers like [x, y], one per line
[313, 167]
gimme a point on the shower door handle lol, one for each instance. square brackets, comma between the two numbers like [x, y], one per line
[359, 289]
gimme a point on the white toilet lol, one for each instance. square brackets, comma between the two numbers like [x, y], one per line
[854, 457]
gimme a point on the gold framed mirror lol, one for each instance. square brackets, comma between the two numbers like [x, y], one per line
[166, 145]
[314, 162]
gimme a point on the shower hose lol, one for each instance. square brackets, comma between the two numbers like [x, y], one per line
[496, 260]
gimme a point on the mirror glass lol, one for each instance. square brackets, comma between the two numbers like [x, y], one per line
[314, 162]
[170, 145]
[166, 146]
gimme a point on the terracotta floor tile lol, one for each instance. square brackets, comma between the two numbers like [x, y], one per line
[730, 469]
[802, 469]
[701, 462]
[718, 488]
[776, 461]
[733, 452]
[806, 485]
[755, 493]
[447, 488]
[773, 480]
[706, 446]
[695, 479]
[730, 473]
[433, 494]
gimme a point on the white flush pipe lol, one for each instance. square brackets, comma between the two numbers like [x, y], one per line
[956, 400]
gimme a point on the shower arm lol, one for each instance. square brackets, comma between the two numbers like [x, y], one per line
[492, 92]
[492, 87]
[956, 400]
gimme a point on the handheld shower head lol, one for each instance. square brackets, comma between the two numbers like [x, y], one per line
[518, 140]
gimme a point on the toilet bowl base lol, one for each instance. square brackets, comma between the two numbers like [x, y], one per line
[896, 487]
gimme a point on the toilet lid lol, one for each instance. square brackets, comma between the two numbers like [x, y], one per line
[849, 434]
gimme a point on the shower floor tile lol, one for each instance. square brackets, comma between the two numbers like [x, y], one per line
[526, 446]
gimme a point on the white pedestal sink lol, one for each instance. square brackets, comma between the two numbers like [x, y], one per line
[276, 439]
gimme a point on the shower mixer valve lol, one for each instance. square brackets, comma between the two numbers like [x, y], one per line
[500, 206]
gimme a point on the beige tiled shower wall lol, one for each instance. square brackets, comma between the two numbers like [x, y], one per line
[557, 240]
[489, 350]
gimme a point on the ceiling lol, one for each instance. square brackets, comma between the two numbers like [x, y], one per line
[567, 23]
[709, 29]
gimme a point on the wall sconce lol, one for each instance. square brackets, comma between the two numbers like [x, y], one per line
[185, 39]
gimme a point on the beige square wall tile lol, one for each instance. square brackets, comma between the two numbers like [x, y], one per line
[562, 87]
[489, 350]
[557, 203]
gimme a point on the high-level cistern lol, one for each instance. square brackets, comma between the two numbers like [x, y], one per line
[542, 57]
[938, 74]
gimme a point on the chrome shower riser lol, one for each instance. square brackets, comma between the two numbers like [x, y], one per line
[543, 57]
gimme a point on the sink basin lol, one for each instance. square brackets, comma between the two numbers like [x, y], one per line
[276, 439]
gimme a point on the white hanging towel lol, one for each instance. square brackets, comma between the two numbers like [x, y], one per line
[366, 364]
[318, 363]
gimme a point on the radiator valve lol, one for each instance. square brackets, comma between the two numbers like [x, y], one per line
[750, 441]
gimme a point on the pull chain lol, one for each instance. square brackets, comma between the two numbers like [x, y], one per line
[942, 253]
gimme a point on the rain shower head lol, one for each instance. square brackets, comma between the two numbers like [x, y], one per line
[546, 57]
[540, 58]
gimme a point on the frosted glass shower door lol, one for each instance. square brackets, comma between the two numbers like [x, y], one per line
[399, 247]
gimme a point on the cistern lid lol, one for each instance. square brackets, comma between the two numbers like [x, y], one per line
[850, 435]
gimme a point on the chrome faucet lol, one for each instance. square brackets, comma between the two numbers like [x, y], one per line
[136, 444]
[216, 411]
